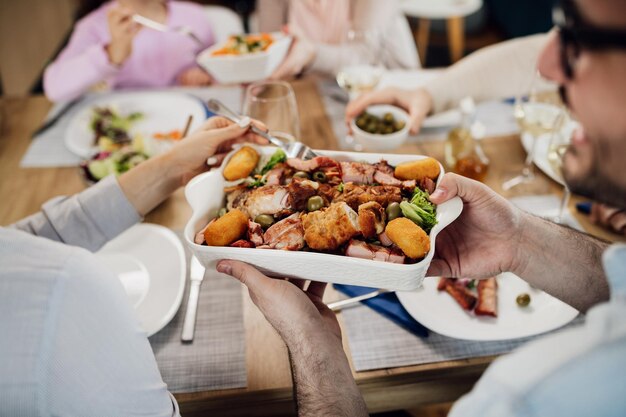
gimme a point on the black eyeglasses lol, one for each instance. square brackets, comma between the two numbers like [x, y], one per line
[576, 35]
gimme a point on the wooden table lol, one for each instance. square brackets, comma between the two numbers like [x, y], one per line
[23, 191]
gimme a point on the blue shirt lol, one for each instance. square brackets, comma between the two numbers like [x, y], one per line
[574, 373]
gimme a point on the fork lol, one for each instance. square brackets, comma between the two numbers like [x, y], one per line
[292, 149]
[183, 30]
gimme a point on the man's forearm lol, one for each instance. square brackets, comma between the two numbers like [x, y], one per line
[322, 378]
[563, 262]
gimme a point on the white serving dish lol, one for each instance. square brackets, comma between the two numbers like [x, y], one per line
[205, 194]
[380, 142]
[235, 69]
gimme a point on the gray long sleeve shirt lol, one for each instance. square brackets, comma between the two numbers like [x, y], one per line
[70, 344]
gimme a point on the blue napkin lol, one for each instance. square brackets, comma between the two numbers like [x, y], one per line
[388, 305]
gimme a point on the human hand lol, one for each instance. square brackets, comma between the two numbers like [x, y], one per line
[417, 102]
[294, 312]
[194, 77]
[300, 55]
[610, 217]
[214, 139]
[123, 30]
[484, 240]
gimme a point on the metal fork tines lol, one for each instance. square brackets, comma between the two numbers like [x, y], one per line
[292, 149]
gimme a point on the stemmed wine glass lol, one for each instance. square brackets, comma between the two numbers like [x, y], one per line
[361, 66]
[536, 115]
[274, 103]
[559, 142]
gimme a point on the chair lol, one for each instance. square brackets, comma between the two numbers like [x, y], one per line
[454, 11]
[224, 22]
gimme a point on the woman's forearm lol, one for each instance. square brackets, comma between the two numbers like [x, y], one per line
[563, 262]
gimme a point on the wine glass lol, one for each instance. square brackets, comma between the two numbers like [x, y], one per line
[559, 142]
[536, 114]
[361, 64]
[274, 103]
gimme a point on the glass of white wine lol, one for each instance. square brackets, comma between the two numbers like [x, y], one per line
[361, 66]
[559, 142]
[537, 114]
[274, 103]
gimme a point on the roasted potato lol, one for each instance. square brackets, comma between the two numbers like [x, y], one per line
[409, 237]
[227, 229]
[418, 170]
[241, 164]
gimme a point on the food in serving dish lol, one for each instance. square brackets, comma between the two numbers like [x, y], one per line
[207, 192]
[479, 296]
[111, 129]
[245, 44]
[229, 65]
[383, 125]
[356, 209]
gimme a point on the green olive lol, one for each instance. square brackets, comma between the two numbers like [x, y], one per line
[265, 220]
[319, 176]
[399, 125]
[388, 118]
[301, 174]
[314, 203]
[361, 122]
[387, 130]
[393, 211]
[523, 300]
[222, 212]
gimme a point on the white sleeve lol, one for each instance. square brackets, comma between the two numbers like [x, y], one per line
[99, 360]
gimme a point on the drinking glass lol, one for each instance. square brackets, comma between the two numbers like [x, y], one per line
[274, 103]
[559, 142]
[361, 66]
[536, 114]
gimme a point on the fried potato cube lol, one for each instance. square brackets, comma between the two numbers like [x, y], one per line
[227, 229]
[418, 170]
[409, 237]
[241, 164]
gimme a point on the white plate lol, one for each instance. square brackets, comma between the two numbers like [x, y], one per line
[150, 262]
[205, 194]
[443, 119]
[541, 152]
[162, 111]
[438, 311]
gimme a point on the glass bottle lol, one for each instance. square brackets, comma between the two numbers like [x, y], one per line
[463, 154]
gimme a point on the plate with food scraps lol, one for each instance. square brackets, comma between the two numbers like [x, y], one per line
[500, 308]
[149, 260]
[137, 119]
[342, 217]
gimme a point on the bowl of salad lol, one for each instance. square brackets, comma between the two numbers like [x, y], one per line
[245, 58]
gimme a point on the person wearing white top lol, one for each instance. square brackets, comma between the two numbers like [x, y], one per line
[70, 344]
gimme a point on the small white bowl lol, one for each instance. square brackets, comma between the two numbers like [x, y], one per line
[235, 69]
[381, 142]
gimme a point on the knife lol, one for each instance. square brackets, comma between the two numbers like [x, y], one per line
[53, 120]
[339, 305]
[195, 279]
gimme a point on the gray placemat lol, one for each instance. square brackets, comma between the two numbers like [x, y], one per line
[216, 359]
[48, 149]
[376, 343]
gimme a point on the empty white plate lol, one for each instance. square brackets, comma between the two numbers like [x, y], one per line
[163, 111]
[438, 311]
[150, 262]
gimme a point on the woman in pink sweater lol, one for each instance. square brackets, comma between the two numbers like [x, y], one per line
[108, 47]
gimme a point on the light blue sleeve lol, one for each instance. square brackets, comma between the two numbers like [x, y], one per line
[88, 219]
[99, 360]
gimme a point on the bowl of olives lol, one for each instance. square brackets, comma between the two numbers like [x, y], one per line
[381, 127]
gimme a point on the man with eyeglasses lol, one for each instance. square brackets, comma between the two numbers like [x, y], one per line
[575, 372]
